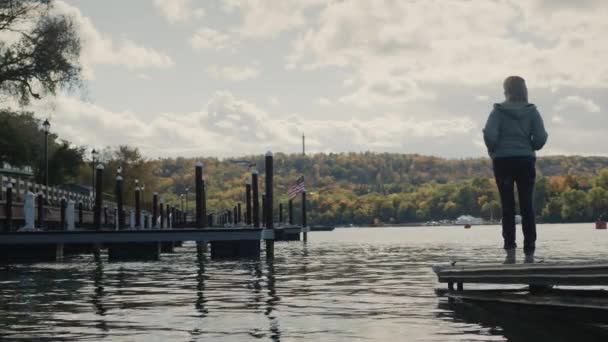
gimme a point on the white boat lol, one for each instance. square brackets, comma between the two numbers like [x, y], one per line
[468, 219]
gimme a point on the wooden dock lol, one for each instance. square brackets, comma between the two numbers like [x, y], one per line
[542, 274]
[584, 299]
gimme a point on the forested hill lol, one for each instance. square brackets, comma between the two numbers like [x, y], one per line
[366, 188]
[359, 188]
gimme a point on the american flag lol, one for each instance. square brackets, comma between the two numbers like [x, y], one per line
[296, 188]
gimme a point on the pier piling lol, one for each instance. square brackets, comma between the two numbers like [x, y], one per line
[8, 222]
[256, 199]
[248, 203]
[99, 198]
[269, 203]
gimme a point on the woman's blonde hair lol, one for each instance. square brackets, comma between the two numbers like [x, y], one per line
[515, 89]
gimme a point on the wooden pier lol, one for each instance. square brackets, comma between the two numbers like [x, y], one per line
[46, 225]
[534, 287]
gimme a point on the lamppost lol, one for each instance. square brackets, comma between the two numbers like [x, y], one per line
[46, 126]
[94, 154]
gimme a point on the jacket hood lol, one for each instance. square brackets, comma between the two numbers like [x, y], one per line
[515, 110]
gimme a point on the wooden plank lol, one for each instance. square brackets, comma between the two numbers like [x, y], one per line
[224, 234]
[533, 274]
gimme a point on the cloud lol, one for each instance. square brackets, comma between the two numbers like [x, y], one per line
[323, 101]
[269, 18]
[178, 11]
[576, 103]
[233, 73]
[228, 126]
[100, 49]
[274, 101]
[481, 98]
[207, 38]
[398, 50]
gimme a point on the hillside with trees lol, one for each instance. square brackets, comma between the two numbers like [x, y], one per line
[344, 188]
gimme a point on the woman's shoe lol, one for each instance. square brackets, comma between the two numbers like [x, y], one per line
[510, 257]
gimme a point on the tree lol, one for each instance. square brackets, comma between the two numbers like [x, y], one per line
[42, 54]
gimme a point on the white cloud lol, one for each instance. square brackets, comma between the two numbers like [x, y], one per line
[233, 73]
[227, 126]
[274, 101]
[99, 48]
[481, 98]
[269, 18]
[576, 103]
[176, 11]
[207, 38]
[323, 101]
[397, 50]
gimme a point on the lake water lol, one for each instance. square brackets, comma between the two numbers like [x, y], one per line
[348, 285]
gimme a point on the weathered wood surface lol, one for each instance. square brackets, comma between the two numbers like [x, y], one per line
[529, 274]
[119, 236]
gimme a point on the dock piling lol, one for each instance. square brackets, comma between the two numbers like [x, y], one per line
[269, 202]
[137, 206]
[8, 222]
[155, 211]
[98, 197]
[62, 211]
[248, 203]
[290, 211]
[119, 204]
[304, 234]
[40, 207]
[280, 213]
[256, 199]
[69, 215]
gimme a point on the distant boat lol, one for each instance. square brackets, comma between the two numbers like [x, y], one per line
[600, 224]
[468, 220]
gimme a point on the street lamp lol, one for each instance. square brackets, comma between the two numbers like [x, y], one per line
[94, 154]
[46, 126]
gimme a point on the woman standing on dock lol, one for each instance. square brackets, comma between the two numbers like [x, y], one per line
[513, 132]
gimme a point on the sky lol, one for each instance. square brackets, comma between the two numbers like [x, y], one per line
[233, 77]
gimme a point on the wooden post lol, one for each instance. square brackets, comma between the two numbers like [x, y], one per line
[8, 223]
[290, 211]
[98, 197]
[168, 214]
[235, 215]
[63, 212]
[137, 206]
[256, 199]
[105, 215]
[305, 234]
[41, 210]
[162, 214]
[119, 204]
[248, 203]
[269, 202]
[264, 208]
[238, 211]
[80, 209]
[281, 213]
[155, 211]
[198, 175]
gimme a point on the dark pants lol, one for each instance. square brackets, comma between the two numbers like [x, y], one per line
[521, 171]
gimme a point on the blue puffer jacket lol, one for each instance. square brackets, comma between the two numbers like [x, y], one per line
[514, 130]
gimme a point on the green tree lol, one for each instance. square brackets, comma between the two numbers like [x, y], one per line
[575, 206]
[44, 54]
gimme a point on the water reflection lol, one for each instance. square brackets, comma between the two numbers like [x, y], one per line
[518, 324]
[364, 285]
[200, 285]
[272, 302]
